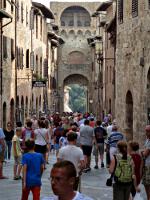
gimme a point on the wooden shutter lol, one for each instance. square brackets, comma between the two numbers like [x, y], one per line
[134, 8]
[149, 4]
[46, 68]
[32, 19]
[5, 53]
[12, 49]
[22, 19]
[120, 11]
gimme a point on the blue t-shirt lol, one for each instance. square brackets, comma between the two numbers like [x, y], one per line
[33, 162]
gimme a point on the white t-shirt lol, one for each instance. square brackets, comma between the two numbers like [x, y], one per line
[71, 153]
[40, 136]
[78, 196]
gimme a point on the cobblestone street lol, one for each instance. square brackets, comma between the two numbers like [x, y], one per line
[93, 184]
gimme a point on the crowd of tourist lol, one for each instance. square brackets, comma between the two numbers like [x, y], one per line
[73, 138]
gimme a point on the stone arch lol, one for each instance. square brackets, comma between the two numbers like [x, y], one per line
[87, 33]
[71, 80]
[148, 97]
[17, 109]
[71, 34]
[76, 79]
[4, 115]
[63, 34]
[76, 16]
[80, 33]
[76, 57]
[12, 111]
[22, 109]
[129, 115]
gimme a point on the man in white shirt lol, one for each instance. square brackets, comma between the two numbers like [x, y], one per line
[73, 154]
[63, 176]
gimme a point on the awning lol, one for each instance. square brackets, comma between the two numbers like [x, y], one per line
[111, 24]
[4, 14]
[104, 6]
[46, 11]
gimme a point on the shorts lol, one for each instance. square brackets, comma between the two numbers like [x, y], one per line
[40, 149]
[101, 148]
[146, 175]
[87, 150]
[17, 160]
[95, 151]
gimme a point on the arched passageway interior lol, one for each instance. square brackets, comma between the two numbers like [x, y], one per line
[129, 116]
[148, 97]
[76, 93]
[12, 112]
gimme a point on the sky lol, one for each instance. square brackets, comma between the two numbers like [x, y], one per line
[47, 2]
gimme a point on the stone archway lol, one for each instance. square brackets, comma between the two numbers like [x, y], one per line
[129, 116]
[12, 112]
[74, 79]
[4, 115]
[148, 97]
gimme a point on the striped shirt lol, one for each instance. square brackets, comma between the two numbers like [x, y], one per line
[114, 138]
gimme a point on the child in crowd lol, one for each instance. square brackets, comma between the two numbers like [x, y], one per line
[17, 153]
[33, 166]
[133, 149]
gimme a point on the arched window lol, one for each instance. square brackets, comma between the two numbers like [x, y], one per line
[62, 23]
[75, 16]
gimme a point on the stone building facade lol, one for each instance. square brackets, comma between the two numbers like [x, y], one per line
[26, 57]
[107, 19]
[75, 60]
[132, 67]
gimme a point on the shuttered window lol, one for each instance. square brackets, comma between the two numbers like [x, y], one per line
[12, 49]
[17, 10]
[41, 66]
[5, 53]
[134, 8]
[120, 11]
[32, 19]
[27, 58]
[45, 68]
[22, 19]
[149, 4]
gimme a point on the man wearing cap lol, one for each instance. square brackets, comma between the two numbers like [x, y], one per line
[146, 168]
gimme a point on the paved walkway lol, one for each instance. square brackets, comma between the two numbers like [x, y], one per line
[93, 183]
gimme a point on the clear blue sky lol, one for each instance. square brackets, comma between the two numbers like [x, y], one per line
[47, 2]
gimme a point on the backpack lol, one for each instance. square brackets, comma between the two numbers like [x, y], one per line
[123, 171]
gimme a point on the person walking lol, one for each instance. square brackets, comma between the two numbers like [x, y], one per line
[33, 166]
[113, 139]
[74, 154]
[17, 153]
[9, 133]
[86, 142]
[41, 139]
[133, 150]
[146, 169]
[100, 135]
[122, 166]
[2, 151]
[63, 176]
